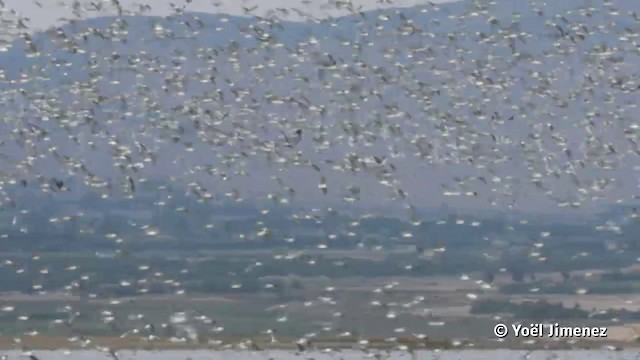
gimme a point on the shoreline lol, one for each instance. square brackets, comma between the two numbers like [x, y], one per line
[44, 342]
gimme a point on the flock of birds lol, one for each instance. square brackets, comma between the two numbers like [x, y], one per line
[521, 105]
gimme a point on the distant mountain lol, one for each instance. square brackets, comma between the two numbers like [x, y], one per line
[420, 83]
[190, 31]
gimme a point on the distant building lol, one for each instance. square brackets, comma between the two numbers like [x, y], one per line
[105, 254]
[407, 248]
[611, 245]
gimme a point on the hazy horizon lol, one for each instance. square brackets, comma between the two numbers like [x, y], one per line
[49, 13]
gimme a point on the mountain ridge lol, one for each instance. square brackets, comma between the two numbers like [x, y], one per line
[392, 75]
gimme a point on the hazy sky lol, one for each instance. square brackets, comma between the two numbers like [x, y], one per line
[50, 12]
